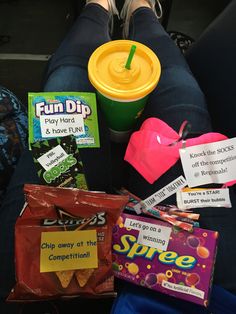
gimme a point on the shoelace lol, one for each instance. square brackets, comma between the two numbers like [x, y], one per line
[126, 13]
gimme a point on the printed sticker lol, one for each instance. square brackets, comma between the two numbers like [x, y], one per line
[162, 194]
[68, 250]
[152, 235]
[203, 198]
[209, 163]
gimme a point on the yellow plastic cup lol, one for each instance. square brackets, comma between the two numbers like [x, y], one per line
[122, 93]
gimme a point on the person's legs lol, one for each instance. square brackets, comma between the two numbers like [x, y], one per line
[67, 71]
[177, 96]
[90, 30]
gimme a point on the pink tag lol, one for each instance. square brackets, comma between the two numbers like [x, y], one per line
[150, 150]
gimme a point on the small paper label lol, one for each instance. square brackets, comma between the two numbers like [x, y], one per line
[85, 140]
[203, 198]
[52, 158]
[68, 250]
[162, 194]
[209, 163]
[152, 235]
[61, 125]
[183, 289]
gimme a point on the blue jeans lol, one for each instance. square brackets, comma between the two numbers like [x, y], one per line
[177, 98]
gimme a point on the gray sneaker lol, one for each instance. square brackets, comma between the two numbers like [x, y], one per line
[126, 13]
[112, 10]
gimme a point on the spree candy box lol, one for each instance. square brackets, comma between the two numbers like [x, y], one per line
[151, 253]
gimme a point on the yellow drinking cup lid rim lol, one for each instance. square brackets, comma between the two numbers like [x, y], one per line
[115, 93]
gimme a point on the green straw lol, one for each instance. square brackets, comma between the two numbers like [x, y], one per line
[130, 57]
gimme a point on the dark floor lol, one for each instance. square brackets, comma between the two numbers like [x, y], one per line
[192, 16]
[35, 28]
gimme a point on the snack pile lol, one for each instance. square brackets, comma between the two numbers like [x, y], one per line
[63, 243]
[185, 220]
[71, 242]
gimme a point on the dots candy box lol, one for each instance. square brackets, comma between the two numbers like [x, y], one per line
[183, 270]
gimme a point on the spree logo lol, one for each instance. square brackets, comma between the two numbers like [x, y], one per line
[132, 249]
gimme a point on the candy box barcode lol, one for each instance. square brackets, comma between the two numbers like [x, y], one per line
[153, 254]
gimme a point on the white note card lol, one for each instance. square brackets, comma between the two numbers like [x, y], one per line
[61, 125]
[209, 163]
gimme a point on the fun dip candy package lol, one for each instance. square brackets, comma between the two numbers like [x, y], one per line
[161, 257]
[63, 113]
[63, 243]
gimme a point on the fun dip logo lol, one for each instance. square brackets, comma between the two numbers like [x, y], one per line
[68, 107]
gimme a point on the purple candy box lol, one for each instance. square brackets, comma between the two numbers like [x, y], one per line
[184, 270]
